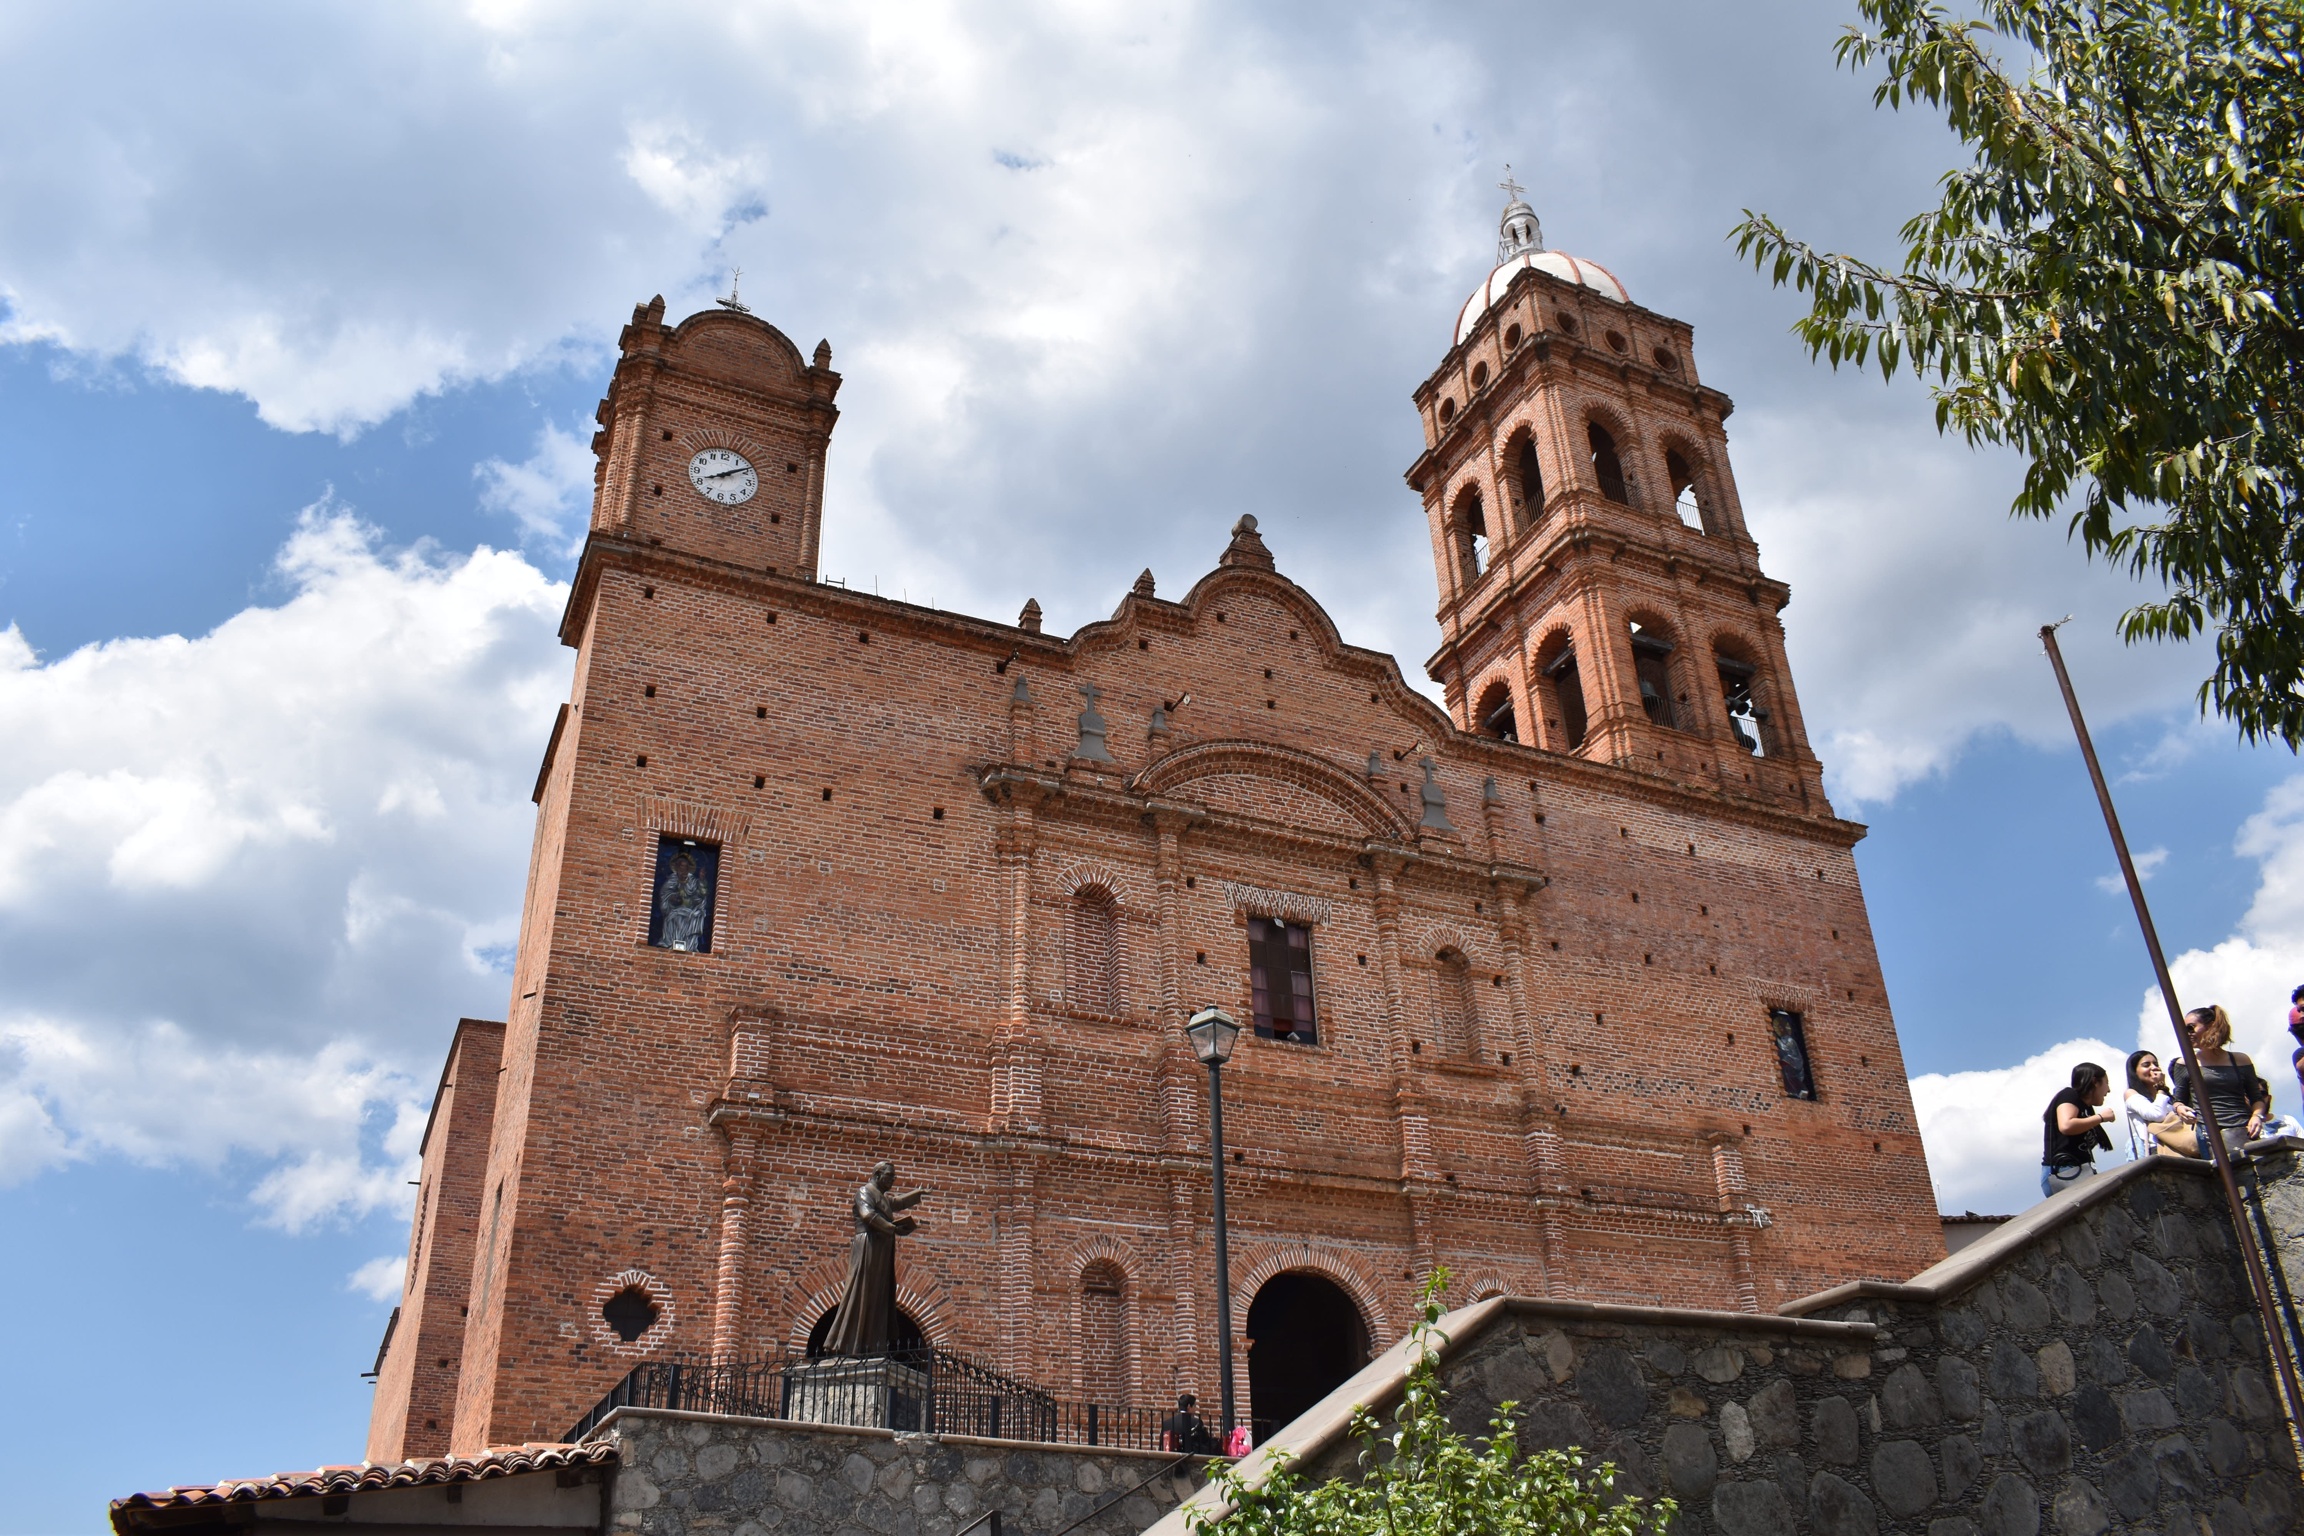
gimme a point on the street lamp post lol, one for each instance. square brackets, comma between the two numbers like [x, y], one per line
[1212, 1032]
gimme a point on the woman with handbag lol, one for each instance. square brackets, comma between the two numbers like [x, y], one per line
[2238, 1101]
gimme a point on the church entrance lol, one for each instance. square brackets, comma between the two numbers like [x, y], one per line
[1305, 1336]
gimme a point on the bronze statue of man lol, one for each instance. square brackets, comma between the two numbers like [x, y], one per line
[866, 1319]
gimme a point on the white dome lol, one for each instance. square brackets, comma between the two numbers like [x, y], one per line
[1559, 263]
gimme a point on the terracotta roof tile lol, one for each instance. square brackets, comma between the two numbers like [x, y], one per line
[361, 1477]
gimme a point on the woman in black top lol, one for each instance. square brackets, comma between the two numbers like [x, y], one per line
[2072, 1129]
[2238, 1100]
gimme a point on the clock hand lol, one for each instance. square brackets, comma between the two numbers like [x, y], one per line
[724, 474]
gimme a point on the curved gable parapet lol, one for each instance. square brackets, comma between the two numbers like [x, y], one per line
[1194, 610]
[1371, 813]
[742, 349]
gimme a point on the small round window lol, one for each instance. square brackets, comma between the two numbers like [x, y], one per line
[1511, 337]
[1479, 375]
[1447, 412]
[1617, 343]
[631, 1312]
[1568, 323]
[1666, 361]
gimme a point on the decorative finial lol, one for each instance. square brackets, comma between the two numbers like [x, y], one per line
[736, 281]
[1512, 188]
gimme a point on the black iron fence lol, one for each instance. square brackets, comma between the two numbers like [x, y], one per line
[931, 1390]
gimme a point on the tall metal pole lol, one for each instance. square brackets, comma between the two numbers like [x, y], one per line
[1223, 1256]
[2210, 1132]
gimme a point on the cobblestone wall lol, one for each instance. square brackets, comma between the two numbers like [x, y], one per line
[2096, 1367]
[688, 1474]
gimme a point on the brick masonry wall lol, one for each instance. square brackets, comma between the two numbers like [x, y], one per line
[886, 980]
[685, 1474]
[2107, 1376]
[414, 1410]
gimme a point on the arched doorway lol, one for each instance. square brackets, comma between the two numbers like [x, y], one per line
[1305, 1336]
[905, 1337]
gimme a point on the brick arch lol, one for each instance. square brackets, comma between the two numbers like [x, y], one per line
[1347, 791]
[1630, 454]
[1599, 408]
[1745, 645]
[1440, 936]
[1074, 1268]
[1087, 874]
[919, 1293]
[1497, 675]
[1472, 482]
[1348, 1270]
[694, 439]
[1519, 426]
[1482, 1286]
[1100, 1250]
[1740, 644]
[1680, 668]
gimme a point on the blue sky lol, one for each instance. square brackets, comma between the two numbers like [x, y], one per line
[302, 318]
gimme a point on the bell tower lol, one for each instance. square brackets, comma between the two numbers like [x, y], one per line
[712, 440]
[1599, 594]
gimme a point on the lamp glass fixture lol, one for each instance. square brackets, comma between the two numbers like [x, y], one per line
[1212, 1032]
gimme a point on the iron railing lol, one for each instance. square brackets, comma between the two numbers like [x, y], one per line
[932, 1390]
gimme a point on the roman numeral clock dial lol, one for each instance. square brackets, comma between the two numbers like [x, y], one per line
[723, 475]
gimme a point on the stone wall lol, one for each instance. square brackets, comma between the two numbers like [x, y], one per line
[687, 1474]
[2094, 1366]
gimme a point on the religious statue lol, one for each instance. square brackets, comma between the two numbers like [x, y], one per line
[866, 1319]
[684, 902]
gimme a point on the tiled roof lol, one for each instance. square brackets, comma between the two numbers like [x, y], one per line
[328, 1481]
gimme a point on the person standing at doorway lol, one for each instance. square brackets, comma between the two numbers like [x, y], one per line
[2072, 1129]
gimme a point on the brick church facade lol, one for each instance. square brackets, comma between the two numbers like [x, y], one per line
[1568, 986]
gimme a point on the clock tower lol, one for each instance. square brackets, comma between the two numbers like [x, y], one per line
[722, 403]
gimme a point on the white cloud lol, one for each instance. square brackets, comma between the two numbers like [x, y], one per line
[380, 1279]
[549, 493]
[1982, 1127]
[305, 827]
[1085, 268]
[2147, 865]
[2251, 973]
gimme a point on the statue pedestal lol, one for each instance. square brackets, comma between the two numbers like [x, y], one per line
[867, 1393]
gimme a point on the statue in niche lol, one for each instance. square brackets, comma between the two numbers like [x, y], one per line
[867, 1313]
[683, 905]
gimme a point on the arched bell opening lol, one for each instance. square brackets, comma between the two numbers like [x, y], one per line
[1493, 716]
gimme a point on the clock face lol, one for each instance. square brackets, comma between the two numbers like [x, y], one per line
[723, 475]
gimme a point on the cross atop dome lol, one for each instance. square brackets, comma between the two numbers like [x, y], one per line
[1518, 232]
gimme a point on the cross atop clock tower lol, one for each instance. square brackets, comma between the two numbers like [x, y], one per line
[712, 440]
